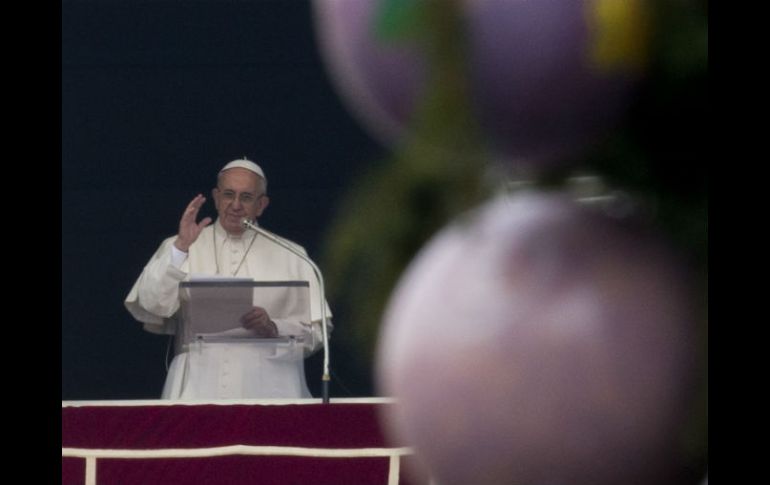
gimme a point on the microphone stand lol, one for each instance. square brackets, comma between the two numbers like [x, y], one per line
[272, 237]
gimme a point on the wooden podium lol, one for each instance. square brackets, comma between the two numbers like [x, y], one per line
[266, 442]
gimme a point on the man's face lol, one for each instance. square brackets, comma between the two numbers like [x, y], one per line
[239, 193]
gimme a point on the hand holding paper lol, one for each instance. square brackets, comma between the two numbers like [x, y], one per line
[259, 322]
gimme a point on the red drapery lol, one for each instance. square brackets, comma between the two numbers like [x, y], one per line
[141, 427]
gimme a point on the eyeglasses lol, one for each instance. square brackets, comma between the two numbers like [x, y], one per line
[245, 198]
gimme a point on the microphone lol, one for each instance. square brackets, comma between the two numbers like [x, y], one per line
[247, 224]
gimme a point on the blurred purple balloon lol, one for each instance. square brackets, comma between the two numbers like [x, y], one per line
[379, 80]
[538, 342]
[548, 77]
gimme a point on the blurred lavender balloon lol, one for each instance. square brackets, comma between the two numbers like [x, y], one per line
[538, 341]
[379, 80]
[547, 77]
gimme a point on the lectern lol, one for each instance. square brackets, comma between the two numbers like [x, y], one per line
[218, 358]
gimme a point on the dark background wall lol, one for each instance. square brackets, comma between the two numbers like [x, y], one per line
[156, 97]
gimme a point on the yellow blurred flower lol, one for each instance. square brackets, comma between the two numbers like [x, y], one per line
[620, 34]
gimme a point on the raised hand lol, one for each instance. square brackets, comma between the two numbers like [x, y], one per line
[189, 230]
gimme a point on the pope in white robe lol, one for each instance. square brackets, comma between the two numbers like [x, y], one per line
[230, 368]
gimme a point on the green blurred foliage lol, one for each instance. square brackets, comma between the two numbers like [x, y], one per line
[401, 202]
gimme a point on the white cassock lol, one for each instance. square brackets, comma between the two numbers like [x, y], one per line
[222, 370]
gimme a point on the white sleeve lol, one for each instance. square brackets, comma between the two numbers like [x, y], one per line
[177, 257]
[155, 295]
[312, 332]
